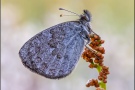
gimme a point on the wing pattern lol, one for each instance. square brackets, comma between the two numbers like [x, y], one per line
[55, 51]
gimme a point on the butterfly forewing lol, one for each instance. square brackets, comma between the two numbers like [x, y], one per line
[55, 51]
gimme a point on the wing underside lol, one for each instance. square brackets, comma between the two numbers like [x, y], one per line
[55, 51]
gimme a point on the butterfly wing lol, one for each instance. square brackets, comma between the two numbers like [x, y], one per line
[54, 52]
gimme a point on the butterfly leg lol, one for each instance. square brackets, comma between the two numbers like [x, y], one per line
[94, 52]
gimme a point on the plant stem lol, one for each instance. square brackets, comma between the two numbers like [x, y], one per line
[102, 84]
[99, 68]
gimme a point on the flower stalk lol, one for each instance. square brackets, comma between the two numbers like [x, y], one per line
[94, 56]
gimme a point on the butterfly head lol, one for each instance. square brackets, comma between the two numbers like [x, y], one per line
[85, 16]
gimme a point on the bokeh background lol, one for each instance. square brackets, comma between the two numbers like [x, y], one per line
[113, 20]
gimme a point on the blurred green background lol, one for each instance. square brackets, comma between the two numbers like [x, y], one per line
[113, 20]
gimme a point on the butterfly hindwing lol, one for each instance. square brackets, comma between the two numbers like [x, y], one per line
[55, 51]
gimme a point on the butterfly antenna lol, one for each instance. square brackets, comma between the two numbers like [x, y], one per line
[69, 11]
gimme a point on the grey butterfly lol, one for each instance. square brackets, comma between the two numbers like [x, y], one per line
[54, 52]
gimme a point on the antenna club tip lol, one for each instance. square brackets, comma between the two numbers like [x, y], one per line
[61, 9]
[61, 15]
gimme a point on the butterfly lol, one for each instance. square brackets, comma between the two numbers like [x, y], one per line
[54, 52]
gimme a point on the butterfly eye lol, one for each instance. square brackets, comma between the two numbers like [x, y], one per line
[87, 18]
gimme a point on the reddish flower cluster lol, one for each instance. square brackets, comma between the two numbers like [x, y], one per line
[94, 56]
[103, 74]
[93, 82]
